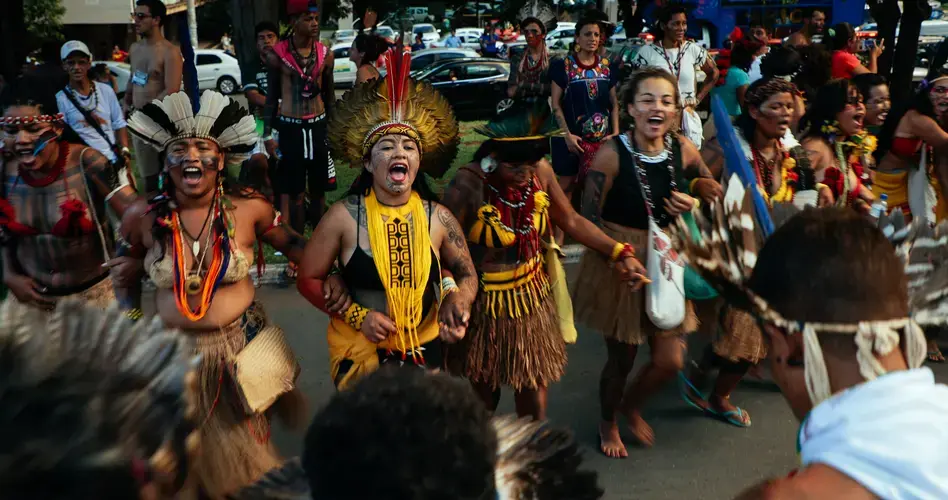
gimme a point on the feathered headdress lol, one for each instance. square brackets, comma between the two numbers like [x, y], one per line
[86, 392]
[220, 119]
[519, 124]
[395, 104]
[726, 255]
[539, 11]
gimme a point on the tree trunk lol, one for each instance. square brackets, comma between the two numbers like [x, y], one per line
[887, 15]
[12, 35]
[900, 84]
[245, 15]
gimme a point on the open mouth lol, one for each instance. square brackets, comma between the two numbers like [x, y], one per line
[883, 116]
[398, 172]
[27, 157]
[192, 175]
[858, 119]
[656, 120]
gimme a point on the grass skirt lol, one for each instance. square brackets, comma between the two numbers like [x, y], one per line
[235, 447]
[604, 303]
[525, 352]
[738, 337]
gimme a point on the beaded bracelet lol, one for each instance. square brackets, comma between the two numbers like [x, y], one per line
[134, 314]
[692, 184]
[621, 251]
[355, 316]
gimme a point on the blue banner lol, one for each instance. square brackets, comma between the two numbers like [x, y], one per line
[736, 163]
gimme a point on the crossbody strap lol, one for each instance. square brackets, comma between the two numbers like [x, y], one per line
[89, 115]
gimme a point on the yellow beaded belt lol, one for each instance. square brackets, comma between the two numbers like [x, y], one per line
[516, 292]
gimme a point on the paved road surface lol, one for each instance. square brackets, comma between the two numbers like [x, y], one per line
[694, 457]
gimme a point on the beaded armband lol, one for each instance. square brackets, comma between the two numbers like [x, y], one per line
[134, 314]
[355, 316]
[448, 286]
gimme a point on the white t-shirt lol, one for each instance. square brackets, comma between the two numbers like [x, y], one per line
[106, 108]
[754, 72]
[680, 62]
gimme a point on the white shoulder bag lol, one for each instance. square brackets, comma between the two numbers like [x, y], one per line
[665, 295]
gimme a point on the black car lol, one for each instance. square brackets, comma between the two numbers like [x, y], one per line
[472, 86]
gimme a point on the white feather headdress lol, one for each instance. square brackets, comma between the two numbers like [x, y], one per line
[219, 118]
[726, 254]
[539, 10]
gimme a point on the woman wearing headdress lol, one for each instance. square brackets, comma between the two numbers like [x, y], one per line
[54, 201]
[584, 103]
[836, 142]
[529, 73]
[640, 179]
[95, 405]
[507, 202]
[390, 238]
[196, 240]
[783, 173]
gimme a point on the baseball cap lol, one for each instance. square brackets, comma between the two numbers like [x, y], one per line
[294, 7]
[74, 46]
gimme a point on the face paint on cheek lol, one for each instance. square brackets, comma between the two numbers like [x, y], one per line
[44, 139]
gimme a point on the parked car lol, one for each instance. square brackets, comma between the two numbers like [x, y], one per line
[427, 57]
[344, 36]
[343, 70]
[472, 85]
[121, 71]
[217, 70]
[468, 40]
[429, 34]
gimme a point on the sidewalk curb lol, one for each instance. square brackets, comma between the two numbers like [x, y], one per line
[273, 274]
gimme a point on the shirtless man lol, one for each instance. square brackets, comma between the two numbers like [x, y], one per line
[156, 66]
[301, 85]
[812, 31]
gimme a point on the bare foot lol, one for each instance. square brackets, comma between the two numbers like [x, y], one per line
[609, 440]
[640, 429]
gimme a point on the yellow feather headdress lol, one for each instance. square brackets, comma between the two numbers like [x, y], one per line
[395, 104]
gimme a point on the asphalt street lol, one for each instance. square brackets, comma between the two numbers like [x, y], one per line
[694, 456]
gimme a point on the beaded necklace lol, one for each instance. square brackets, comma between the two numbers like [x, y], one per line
[516, 206]
[668, 157]
[94, 96]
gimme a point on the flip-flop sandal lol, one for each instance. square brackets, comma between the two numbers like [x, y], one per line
[683, 385]
[936, 356]
[733, 417]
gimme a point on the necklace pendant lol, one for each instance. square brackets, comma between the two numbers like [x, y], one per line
[196, 248]
[192, 285]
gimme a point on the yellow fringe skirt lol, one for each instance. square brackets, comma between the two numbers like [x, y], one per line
[604, 303]
[235, 447]
[513, 338]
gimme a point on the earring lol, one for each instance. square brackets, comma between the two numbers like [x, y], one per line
[576, 48]
[488, 164]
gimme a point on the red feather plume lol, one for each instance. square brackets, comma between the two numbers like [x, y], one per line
[398, 66]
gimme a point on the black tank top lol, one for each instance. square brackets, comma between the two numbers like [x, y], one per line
[624, 203]
[360, 272]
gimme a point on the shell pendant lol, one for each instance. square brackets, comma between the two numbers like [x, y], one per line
[196, 248]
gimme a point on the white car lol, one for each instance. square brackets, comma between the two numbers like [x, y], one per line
[429, 34]
[468, 41]
[121, 71]
[344, 36]
[343, 70]
[217, 70]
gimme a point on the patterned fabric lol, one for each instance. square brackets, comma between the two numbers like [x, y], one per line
[587, 102]
[680, 62]
[355, 316]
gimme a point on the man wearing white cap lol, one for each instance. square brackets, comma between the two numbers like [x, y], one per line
[91, 108]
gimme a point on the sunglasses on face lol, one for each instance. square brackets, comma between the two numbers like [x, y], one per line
[939, 90]
[138, 16]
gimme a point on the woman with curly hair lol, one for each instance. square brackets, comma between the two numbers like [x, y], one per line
[837, 143]
[783, 176]
[641, 179]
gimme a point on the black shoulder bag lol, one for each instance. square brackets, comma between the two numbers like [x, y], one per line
[119, 162]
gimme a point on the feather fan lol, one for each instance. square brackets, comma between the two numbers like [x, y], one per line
[537, 460]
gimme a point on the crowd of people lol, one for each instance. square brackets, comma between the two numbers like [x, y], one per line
[782, 230]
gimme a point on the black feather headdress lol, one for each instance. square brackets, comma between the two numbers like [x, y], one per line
[220, 119]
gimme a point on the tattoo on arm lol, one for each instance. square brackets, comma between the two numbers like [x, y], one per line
[456, 256]
[593, 196]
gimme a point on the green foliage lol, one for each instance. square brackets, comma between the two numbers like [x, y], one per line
[44, 19]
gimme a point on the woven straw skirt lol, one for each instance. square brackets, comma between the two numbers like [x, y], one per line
[235, 447]
[525, 352]
[604, 303]
[738, 337]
